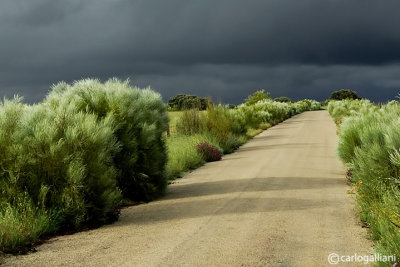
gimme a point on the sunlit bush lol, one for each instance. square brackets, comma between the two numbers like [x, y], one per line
[140, 122]
[54, 160]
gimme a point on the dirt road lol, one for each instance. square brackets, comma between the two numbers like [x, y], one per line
[280, 200]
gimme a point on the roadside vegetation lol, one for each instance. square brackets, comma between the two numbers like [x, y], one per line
[70, 162]
[369, 145]
[224, 127]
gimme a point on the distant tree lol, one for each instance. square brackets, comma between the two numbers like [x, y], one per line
[283, 99]
[344, 94]
[257, 96]
[185, 102]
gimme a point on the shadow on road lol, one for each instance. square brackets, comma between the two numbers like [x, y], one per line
[181, 201]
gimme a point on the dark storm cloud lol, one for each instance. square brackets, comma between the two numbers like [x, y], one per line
[225, 48]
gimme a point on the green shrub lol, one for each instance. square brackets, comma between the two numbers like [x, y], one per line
[64, 159]
[61, 160]
[56, 171]
[140, 122]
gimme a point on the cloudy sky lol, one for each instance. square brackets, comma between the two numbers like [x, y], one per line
[223, 49]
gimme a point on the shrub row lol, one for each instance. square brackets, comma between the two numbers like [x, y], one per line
[369, 145]
[341, 109]
[67, 162]
[225, 128]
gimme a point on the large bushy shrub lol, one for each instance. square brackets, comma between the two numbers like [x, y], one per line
[56, 171]
[65, 161]
[140, 120]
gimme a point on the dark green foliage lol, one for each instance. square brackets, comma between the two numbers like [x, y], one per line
[344, 94]
[140, 122]
[209, 152]
[184, 102]
[283, 99]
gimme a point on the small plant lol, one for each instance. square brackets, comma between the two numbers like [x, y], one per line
[209, 152]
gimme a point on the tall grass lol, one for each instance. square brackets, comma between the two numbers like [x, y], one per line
[369, 144]
[189, 122]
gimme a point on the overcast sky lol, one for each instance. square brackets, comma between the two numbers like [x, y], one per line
[224, 49]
